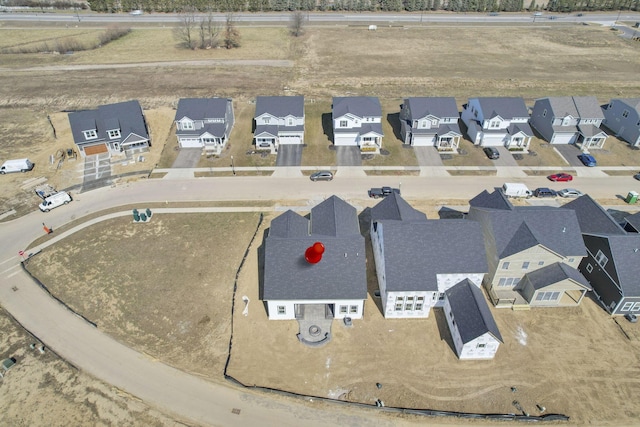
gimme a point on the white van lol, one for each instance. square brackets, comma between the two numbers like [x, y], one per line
[55, 200]
[516, 189]
[17, 165]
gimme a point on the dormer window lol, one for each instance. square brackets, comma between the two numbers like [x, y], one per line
[90, 134]
[290, 122]
[625, 113]
[187, 125]
[266, 120]
[544, 113]
[494, 124]
[114, 133]
[343, 123]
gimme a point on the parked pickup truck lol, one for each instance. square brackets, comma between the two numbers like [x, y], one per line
[376, 193]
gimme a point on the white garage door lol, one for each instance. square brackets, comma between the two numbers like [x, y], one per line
[190, 143]
[344, 139]
[290, 139]
[563, 138]
[424, 140]
[492, 140]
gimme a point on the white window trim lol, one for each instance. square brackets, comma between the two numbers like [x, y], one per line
[114, 133]
[90, 134]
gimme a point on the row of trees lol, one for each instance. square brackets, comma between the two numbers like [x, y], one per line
[204, 32]
[359, 5]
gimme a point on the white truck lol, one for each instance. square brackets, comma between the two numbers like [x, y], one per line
[17, 165]
[516, 189]
[53, 201]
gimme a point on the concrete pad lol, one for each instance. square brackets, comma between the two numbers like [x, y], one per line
[433, 171]
[179, 174]
[510, 172]
[349, 172]
[287, 172]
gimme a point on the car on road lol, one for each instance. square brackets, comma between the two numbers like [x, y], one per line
[560, 177]
[136, 12]
[537, 14]
[544, 192]
[569, 192]
[378, 192]
[587, 160]
[491, 152]
[321, 176]
[637, 176]
[493, 14]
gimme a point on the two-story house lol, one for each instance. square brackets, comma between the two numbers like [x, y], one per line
[430, 121]
[357, 121]
[335, 282]
[113, 129]
[569, 120]
[493, 122]
[204, 123]
[418, 259]
[622, 116]
[533, 253]
[278, 120]
[612, 264]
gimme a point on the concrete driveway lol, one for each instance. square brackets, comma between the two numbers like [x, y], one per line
[97, 171]
[570, 153]
[289, 155]
[506, 158]
[427, 156]
[349, 156]
[187, 158]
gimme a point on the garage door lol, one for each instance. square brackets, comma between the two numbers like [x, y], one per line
[95, 149]
[563, 138]
[289, 139]
[190, 143]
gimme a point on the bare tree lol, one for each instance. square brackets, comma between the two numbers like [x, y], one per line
[296, 24]
[231, 33]
[209, 32]
[186, 29]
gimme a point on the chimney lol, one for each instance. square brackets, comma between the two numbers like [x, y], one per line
[313, 254]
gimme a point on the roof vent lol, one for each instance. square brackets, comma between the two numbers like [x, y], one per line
[564, 229]
[635, 250]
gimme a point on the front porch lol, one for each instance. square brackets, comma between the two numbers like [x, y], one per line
[314, 322]
[448, 143]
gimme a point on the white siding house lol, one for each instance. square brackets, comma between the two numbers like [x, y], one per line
[278, 120]
[473, 330]
[493, 122]
[357, 121]
[204, 123]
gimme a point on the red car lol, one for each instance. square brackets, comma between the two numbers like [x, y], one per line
[560, 177]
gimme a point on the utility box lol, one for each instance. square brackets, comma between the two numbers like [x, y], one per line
[632, 197]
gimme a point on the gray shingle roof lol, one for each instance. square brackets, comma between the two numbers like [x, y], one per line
[280, 106]
[341, 274]
[593, 219]
[127, 115]
[471, 312]
[625, 251]
[440, 107]
[514, 128]
[415, 252]
[523, 227]
[494, 200]
[584, 107]
[590, 130]
[202, 108]
[554, 273]
[634, 220]
[359, 106]
[505, 107]
[394, 207]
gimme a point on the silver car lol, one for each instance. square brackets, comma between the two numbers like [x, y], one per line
[569, 192]
[321, 176]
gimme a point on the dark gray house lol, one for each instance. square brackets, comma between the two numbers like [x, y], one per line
[431, 121]
[112, 129]
[612, 264]
[418, 259]
[622, 116]
[204, 123]
[474, 331]
[337, 283]
[569, 120]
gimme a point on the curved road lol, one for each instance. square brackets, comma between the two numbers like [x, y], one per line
[173, 391]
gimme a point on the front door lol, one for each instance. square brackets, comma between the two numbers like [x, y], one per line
[329, 311]
[299, 310]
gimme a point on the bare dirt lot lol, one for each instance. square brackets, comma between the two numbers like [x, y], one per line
[170, 297]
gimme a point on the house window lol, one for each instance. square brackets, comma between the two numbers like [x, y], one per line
[627, 306]
[343, 309]
[343, 123]
[399, 307]
[424, 123]
[399, 299]
[505, 265]
[636, 307]
[548, 296]
[408, 307]
[541, 263]
[525, 265]
[290, 122]
[409, 299]
[353, 309]
[625, 113]
[434, 122]
[571, 260]
[282, 310]
[188, 125]
[441, 296]
[451, 314]
[589, 268]
[481, 345]
[114, 133]
[266, 120]
[420, 299]
[90, 134]
[601, 259]
[544, 113]
[508, 282]
[418, 306]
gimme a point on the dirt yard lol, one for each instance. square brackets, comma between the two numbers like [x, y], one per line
[175, 306]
